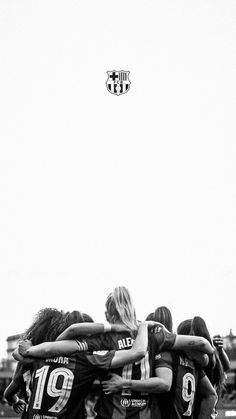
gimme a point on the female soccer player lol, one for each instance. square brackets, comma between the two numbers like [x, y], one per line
[61, 383]
[41, 329]
[213, 370]
[129, 402]
[184, 379]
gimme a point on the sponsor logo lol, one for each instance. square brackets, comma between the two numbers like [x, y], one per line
[138, 402]
[125, 402]
[133, 403]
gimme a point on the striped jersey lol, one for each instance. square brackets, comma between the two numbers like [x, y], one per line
[128, 404]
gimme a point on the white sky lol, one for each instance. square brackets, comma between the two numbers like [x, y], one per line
[98, 190]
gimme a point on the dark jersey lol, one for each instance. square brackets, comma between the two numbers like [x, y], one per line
[61, 384]
[178, 403]
[22, 378]
[128, 404]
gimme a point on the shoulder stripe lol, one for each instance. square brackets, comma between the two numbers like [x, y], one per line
[82, 345]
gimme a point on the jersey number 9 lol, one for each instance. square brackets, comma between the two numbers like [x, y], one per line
[188, 392]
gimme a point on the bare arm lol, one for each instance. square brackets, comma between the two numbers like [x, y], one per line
[224, 359]
[196, 343]
[68, 347]
[83, 329]
[208, 400]
[79, 329]
[47, 349]
[10, 392]
[18, 357]
[137, 351]
[12, 398]
[160, 384]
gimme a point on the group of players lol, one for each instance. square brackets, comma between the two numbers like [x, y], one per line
[146, 371]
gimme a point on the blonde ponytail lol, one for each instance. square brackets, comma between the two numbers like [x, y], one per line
[120, 308]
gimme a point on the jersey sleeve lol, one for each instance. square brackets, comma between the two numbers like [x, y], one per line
[163, 360]
[95, 343]
[163, 339]
[101, 359]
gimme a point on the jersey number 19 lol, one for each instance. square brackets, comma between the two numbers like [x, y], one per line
[63, 392]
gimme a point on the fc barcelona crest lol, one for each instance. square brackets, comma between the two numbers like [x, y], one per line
[118, 82]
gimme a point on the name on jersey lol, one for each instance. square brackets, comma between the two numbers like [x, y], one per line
[133, 402]
[37, 416]
[125, 343]
[58, 360]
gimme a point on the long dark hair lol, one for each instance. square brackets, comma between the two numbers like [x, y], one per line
[69, 318]
[48, 323]
[215, 370]
[184, 327]
[44, 325]
[163, 315]
[149, 316]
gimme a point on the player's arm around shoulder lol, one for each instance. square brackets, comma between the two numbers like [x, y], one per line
[22, 359]
[86, 329]
[136, 352]
[186, 342]
[47, 349]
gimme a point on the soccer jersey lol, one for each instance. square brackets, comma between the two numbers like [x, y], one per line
[61, 384]
[178, 403]
[22, 378]
[128, 404]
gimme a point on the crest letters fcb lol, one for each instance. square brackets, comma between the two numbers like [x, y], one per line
[118, 82]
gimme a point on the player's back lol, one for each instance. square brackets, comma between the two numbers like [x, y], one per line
[125, 404]
[178, 403]
[61, 384]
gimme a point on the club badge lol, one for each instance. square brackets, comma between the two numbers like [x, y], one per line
[118, 82]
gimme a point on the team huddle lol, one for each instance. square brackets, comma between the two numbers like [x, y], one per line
[146, 371]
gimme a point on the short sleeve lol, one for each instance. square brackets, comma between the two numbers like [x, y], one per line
[163, 360]
[169, 340]
[95, 343]
[82, 345]
[101, 359]
[163, 339]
